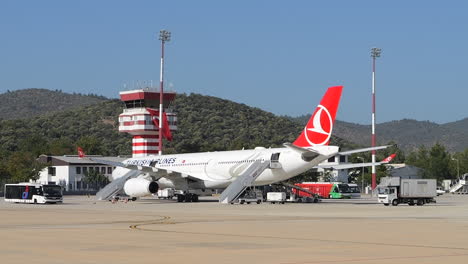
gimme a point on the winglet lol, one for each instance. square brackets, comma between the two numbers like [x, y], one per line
[389, 158]
[81, 153]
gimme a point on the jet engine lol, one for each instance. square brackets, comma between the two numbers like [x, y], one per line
[138, 187]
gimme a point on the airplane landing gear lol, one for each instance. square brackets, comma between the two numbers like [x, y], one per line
[188, 198]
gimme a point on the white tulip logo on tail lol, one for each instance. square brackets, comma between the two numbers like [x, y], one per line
[320, 125]
[319, 132]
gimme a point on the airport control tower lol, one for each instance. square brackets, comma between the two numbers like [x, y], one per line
[137, 121]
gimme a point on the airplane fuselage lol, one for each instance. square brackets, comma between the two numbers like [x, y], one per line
[218, 169]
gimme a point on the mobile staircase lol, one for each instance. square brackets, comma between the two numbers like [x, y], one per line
[461, 185]
[238, 186]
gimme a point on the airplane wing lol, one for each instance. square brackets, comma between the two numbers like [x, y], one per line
[357, 165]
[148, 169]
[348, 152]
[134, 171]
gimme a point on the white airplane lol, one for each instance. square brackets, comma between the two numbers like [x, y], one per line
[230, 170]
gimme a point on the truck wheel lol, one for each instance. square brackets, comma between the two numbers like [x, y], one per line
[242, 201]
[395, 202]
[180, 198]
[386, 204]
[411, 203]
[259, 202]
[420, 202]
[35, 201]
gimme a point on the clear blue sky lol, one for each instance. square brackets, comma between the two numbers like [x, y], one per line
[279, 56]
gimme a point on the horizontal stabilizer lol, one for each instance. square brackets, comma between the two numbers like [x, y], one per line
[306, 154]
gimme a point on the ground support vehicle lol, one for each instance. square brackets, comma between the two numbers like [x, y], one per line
[33, 193]
[331, 190]
[354, 190]
[167, 193]
[276, 197]
[395, 190]
[251, 196]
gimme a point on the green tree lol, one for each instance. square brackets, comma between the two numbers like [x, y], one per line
[23, 166]
[95, 179]
[435, 162]
[91, 145]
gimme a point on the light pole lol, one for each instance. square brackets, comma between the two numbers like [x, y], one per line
[458, 167]
[375, 53]
[164, 36]
[362, 175]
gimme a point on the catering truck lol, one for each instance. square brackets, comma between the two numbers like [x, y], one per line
[332, 190]
[395, 190]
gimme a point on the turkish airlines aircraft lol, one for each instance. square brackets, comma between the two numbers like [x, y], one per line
[138, 177]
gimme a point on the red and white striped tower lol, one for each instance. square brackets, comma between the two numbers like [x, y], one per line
[375, 53]
[137, 121]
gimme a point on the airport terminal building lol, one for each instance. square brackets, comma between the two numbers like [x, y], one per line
[69, 170]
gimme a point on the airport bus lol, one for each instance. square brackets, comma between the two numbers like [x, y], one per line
[354, 190]
[33, 193]
[332, 190]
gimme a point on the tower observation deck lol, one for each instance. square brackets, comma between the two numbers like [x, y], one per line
[137, 121]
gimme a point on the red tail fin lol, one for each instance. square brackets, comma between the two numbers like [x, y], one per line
[81, 153]
[319, 128]
[389, 158]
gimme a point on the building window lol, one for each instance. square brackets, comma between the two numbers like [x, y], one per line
[332, 159]
[78, 170]
[91, 169]
[85, 170]
[51, 171]
[342, 158]
[103, 170]
[109, 170]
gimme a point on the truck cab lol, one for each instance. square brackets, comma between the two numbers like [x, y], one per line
[387, 195]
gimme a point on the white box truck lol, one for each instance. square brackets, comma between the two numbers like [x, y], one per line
[276, 197]
[167, 193]
[395, 190]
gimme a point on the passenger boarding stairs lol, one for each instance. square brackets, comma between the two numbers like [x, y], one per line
[116, 186]
[238, 186]
[459, 186]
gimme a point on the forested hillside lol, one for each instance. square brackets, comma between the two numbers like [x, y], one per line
[204, 124]
[33, 102]
[408, 134]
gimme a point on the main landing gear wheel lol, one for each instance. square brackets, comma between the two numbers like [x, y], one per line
[188, 198]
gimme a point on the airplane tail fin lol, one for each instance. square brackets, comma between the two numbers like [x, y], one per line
[81, 153]
[389, 158]
[319, 128]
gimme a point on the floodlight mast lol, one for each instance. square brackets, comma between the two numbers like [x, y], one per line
[375, 53]
[164, 36]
